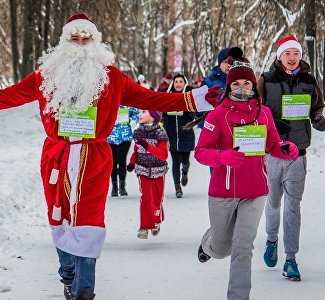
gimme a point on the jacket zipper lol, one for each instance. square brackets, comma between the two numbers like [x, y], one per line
[228, 178]
[177, 139]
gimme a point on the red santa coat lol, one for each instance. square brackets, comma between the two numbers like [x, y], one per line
[81, 228]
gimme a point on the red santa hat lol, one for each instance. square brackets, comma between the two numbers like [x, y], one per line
[286, 43]
[80, 23]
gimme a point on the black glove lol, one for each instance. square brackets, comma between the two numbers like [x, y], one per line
[319, 123]
[282, 127]
[142, 143]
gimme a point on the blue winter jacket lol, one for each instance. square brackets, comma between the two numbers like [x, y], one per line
[217, 76]
[122, 130]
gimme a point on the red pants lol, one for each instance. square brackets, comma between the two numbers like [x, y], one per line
[151, 209]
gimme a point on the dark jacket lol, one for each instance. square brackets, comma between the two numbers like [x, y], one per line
[275, 83]
[180, 140]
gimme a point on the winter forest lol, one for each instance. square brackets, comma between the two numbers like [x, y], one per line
[155, 37]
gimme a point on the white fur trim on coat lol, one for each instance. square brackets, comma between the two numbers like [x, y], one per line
[199, 99]
[84, 241]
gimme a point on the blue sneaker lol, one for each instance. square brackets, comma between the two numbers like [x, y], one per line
[290, 270]
[271, 254]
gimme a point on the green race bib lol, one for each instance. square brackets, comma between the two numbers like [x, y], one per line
[250, 139]
[80, 125]
[123, 116]
[296, 107]
[175, 113]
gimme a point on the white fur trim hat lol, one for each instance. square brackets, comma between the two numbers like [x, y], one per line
[81, 24]
[286, 43]
[141, 77]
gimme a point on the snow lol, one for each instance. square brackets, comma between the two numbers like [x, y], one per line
[289, 16]
[160, 268]
[175, 28]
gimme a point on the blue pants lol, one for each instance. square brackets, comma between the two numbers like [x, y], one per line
[80, 269]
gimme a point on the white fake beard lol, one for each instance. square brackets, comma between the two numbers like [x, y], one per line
[74, 76]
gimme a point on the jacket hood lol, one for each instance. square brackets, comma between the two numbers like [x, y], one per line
[171, 88]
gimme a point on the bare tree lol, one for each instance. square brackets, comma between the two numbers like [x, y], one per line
[310, 17]
[145, 35]
[28, 44]
[14, 39]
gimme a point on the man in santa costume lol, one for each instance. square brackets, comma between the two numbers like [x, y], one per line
[79, 94]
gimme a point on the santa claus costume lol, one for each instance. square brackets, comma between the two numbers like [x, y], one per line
[79, 94]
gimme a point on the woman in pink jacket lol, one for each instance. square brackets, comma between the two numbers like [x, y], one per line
[234, 140]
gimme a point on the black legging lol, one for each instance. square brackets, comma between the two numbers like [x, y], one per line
[120, 153]
[179, 158]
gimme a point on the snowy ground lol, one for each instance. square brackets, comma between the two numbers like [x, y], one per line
[160, 268]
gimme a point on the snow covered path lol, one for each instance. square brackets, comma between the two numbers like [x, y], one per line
[160, 268]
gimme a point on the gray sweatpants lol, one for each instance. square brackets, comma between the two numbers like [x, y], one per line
[234, 224]
[285, 177]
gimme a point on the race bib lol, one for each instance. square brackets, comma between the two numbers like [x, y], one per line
[296, 107]
[123, 116]
[79, 125]
[250, 139]
[175, 113]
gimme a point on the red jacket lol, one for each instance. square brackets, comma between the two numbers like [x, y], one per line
[249, 180]
[95, 158]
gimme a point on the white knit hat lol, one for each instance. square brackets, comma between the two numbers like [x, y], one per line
[286, 43]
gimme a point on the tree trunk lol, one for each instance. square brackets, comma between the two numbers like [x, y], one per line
[324, 67]
[38, 28]
[186, 47]
[28, 47]
[14, 44]
[207, 31]
[152, 62]
[164, 40]
[196, 35]
[47, 24]
[310, 15]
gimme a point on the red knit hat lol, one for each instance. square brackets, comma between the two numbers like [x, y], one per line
[240, 67]
[286, 43]
[80, 23]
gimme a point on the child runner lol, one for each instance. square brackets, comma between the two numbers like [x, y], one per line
[149, 160]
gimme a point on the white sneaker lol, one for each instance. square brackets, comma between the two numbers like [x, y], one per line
[142, 234]
[155, 231]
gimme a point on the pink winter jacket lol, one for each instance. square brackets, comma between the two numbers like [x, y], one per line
[249, 180]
